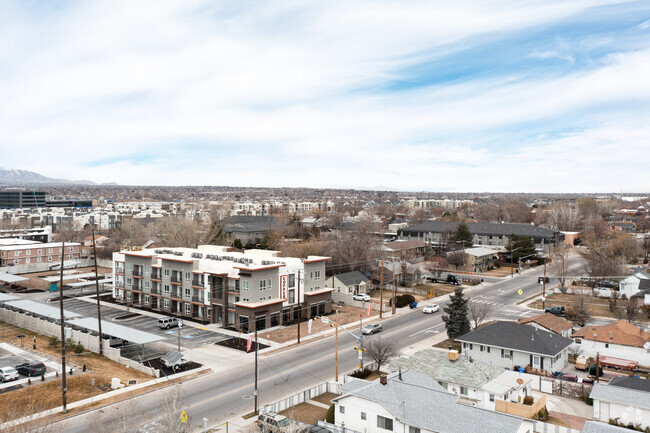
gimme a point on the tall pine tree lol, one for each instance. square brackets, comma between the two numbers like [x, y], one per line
[455, 316]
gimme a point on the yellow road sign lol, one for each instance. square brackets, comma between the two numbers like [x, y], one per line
[204, 328]
[184, 417]
[521, 292]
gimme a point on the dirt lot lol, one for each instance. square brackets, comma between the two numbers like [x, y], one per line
[306, 412]
[598, 306]
[47, 395]
[325, 398]
[346, 315]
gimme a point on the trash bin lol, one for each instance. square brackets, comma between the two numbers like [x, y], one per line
[415, 305]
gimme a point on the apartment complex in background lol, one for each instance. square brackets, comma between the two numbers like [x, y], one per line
[11, 199]
[14, 252]
[255, 289]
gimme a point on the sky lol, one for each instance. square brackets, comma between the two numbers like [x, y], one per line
[489, 95]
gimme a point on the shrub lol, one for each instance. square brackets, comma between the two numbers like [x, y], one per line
[361, 374]
[78, 348]
[330, 414]
[542, 415]
[497, 265]
[588, 400]
[54, 341]
[529, 400]
[403, 300]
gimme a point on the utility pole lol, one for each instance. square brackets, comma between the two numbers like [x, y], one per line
[298, 310]
[361, 341]
[394, 289]
[597, 367]
[256, 402]
[99, 310]
[381, 290]
[63, 385]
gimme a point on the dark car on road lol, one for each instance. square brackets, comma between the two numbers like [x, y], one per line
[33, 368]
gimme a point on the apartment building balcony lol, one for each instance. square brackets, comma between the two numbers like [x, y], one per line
[177, 280]
[155, 274]
[197, 283]
[137, 285]
[198, 299]
[230, 306]
[119, 271]
[119, 284]
[137, 272]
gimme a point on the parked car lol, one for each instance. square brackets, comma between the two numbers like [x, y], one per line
[431, 308]
[557, 310]
[272, 422]
[8, 374]
[540, 280]
[33, 368]
[169, 322]
[361, 297]
[568, 377]
[371, 329]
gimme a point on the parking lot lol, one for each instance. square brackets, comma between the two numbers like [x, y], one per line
[11, 356]
[191, 337]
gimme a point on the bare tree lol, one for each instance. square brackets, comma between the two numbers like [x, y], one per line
[563, 216]
[579, 312]
[600, 263]
[560, 267]
[478, 312]
[436, 265]
[173, 405]
[122, 417]
[613, 300]
[629, 309]
[381, 350]
[456, 258]
[354, 249]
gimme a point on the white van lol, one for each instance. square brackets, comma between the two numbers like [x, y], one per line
[169, 322]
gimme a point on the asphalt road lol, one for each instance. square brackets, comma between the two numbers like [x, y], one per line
[228, 392]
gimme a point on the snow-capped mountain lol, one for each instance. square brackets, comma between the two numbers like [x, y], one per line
[8, 175]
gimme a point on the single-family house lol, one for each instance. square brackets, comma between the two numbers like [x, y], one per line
[402, 248]
[549, 322]
[629, 286]
[621, 339]
[510, 344]
[347, 285]
[644, 293]
[626, 400]
[601, 427]
[475, 382]
[409, 401]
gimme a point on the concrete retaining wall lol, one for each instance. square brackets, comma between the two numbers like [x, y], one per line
[295, 399]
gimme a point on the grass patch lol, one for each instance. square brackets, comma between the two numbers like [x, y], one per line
[249, 415]
[305, 412]
[325, 398]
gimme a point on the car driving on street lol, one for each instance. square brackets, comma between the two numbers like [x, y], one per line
[361, 297]
[371, 329]
[431, 308]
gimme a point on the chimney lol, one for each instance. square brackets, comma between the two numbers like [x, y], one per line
[453, 355]
[383, 379]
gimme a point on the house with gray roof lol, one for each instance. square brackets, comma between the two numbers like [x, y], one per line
[600, 427]
[510, 344]
[409, 401]
[626, 402]
[475, 382]
[347, 285]
[485, 234]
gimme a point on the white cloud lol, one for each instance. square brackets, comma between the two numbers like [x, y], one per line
[284, 94]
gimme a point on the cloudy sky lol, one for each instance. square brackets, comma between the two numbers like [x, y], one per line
[499, 95]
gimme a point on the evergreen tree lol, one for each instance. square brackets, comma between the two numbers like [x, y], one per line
[455, 316]
[464, 235]
[520, 246]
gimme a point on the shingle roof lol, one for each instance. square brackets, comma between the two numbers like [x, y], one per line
[624, 396]
[644, 288]
[621, 332]
[523, 338]
[249, 224]
[631, 383]
[418, 401]
[436, 364]
[352, 278]
[493, 229]
[404, 245]
[601, 427]
[549, 321]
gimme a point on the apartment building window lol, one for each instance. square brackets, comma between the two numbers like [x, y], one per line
[129, 266]
[188, 309]
[188, 292]
[270, 285]
[28, 252]
[166, 304]
[128, 281]
[146, 284]
[38, 259]
[317, 275]
[166, 272]
[385, 423]
[311, 276]
[60, 249]
[71, 249]
[262, 284]
[188, 276]
[292, 280]
[50, 250]
[39, 251]
[16, 261]
[16, 253]
[27, 260]
[166, 289]
[128, 296]
[70, 256]
[245, 284]
[146, 299]
[49, 258]
[146, 270]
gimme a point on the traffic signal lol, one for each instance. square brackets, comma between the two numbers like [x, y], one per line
[358, 349]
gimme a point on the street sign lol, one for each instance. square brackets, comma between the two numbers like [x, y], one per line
[184, 417]
[325, 320]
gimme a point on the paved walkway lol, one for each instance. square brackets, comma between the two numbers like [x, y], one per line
[576, 422]
[571, 406]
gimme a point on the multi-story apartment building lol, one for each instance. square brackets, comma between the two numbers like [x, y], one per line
[11, 199]
[15, 252]
[255, 289]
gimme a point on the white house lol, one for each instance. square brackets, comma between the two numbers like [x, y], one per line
[625, 399]
[476, 383]
[630, 285]
[415, 403]
[347, 285]
[510, 344]
[621, 339]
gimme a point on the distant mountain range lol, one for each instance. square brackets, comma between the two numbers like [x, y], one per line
[12, 176]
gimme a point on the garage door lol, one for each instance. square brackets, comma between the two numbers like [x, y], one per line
[546, 386]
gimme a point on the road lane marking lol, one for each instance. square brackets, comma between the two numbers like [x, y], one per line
[429, 329]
